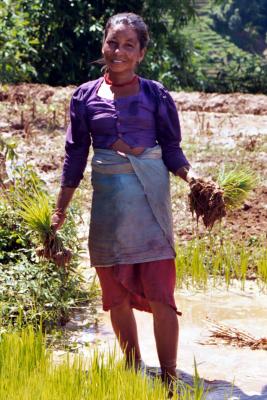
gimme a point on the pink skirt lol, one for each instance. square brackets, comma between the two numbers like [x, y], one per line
[144, 282]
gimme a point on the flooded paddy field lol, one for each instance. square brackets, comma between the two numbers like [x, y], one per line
[228, 371]
[228, 131]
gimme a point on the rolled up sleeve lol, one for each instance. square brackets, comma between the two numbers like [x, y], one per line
[77, 143]
[169, 133]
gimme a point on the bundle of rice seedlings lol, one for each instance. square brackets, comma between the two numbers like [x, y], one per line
[236, 185]
[211, 200]
[35, 209]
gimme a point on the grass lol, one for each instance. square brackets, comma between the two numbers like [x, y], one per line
[30, 283]
[202, 259]
[27, 372]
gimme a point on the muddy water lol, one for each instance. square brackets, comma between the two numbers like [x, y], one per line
[229, 372]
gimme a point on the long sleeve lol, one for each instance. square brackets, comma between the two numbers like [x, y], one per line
[77, 144]
[169, 132]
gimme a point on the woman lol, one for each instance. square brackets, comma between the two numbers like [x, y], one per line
[134, 129]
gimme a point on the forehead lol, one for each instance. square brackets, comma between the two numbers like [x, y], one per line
[122, 31]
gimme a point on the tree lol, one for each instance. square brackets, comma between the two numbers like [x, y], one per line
[67, 36]
[245, 21]
[16, 45]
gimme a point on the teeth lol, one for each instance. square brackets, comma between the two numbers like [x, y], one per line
[117, 61]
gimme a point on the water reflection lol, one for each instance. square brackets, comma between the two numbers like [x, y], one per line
[230, 372]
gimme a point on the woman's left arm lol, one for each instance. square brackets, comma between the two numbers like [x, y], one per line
[169, 137]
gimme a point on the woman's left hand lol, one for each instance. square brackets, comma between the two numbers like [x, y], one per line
[187, 174]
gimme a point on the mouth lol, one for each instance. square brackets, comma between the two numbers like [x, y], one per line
[117, 61]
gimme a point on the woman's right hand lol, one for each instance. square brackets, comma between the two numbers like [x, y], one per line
[59, 215]
[57, 220]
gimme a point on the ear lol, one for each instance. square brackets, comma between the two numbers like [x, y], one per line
[102, 48]
[142, 54]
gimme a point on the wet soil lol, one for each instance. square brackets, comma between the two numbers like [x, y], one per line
[226, 371]
[218, 131]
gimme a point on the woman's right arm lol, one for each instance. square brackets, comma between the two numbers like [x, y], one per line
[76, 153]
[78, 141]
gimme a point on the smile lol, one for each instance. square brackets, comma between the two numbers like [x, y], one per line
[117, 61]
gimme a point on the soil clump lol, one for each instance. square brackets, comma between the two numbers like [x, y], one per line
[206, 201]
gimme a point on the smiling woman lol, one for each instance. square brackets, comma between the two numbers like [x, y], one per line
[122, 52]
[134, 129]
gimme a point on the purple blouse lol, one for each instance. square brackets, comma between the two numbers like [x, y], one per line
[142, 120]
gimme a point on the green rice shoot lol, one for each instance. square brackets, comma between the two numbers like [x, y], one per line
[204, 261]
[35, 209]
[29, 372]
[237, 185]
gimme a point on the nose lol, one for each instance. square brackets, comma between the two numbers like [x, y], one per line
[118, 49]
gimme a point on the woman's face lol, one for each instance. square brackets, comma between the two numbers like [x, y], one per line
[121, 49]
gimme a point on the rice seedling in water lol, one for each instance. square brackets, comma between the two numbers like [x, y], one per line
[25, 363]
[191, 265]
[262, 267]
[199, 260]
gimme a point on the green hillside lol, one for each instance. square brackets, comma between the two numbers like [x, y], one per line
[201, 6]
[195, 44]
[218, 62]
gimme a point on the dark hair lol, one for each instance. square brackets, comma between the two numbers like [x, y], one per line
[134, 21]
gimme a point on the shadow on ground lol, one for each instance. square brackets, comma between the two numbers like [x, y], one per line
[216, 389]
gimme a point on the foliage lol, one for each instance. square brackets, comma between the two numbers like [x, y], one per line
[17, 46]
[24, 363]
[168, 58]
[245, 21]
[30, 287]
[62, 38]
[219, 65]
[7, 153]
[58, 42]
[7, 149]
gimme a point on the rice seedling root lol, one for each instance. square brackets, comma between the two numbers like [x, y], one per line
[206, 201]
[55, 251]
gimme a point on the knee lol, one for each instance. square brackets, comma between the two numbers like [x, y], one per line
[162, 311]
[123, 306]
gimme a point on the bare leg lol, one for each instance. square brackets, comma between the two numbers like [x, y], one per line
[124, 325]
[166, 330]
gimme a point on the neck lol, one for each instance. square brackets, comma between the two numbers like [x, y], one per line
[120, 79]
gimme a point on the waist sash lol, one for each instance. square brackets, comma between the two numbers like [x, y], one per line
[131, 219]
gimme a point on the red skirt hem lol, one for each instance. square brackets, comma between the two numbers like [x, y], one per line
[143, 282]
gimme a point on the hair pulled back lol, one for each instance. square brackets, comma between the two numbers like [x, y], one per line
[134, 21]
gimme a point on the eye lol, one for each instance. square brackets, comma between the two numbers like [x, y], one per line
[111, 42]
[130, 45]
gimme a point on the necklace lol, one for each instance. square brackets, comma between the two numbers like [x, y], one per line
[109, 81]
